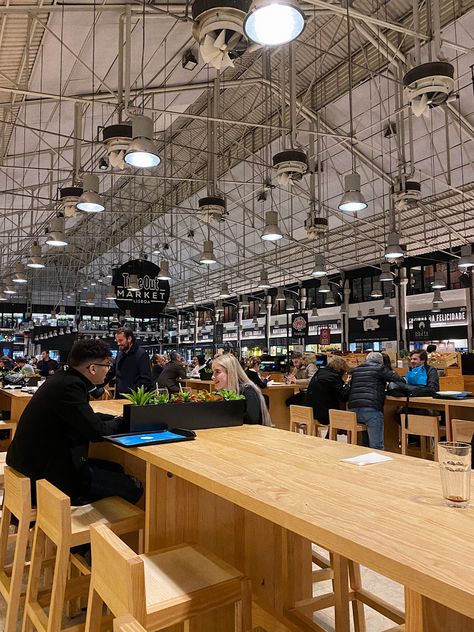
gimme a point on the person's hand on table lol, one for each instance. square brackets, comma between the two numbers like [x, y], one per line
[290, 379]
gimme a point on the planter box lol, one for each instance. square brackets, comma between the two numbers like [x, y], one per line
[190, 415]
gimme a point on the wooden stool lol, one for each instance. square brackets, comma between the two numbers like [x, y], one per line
[344, 420]
[66, 527]
[462, 430]
[17, 504]
[127, 624]
[301, 420]
[422, 426]
[164, 587]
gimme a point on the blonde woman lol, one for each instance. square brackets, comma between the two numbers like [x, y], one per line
[227, 373]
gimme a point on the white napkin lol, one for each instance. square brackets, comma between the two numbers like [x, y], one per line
[367, 459]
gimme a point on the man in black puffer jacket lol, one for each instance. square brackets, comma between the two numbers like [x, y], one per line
[367, 395]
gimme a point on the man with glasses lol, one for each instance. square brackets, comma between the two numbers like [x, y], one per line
[131, 368]
[54, 431]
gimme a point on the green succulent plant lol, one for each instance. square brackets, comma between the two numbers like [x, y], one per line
[140, 397]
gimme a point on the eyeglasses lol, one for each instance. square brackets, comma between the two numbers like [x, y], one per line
[108, 365]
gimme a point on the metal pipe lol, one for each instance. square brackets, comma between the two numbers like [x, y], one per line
[448, 147]
[128, 56]
[283, 99]
[120, 67]
[416, 27]
[291, 72]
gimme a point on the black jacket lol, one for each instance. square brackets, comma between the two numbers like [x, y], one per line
[130, 370]
[368, 385]
[168, 378]
[325, 391]
[54, 431]
[253, 409]
[255, 378]
[45, 366]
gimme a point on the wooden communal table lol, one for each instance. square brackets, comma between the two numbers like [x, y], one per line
[279, 411]
[199, 385]
[452, 409]
[258, 497]
[14, 401]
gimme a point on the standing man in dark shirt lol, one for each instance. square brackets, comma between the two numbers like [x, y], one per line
[54, 431]
[131, 368]
[172, 373]
[46, 366]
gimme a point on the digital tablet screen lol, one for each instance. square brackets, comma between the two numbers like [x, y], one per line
[147, 437]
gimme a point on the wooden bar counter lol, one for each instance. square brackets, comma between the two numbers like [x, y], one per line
[258, 497]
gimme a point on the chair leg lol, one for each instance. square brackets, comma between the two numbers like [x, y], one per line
[341, 593]
[32, 590]
[16, 579]
[59, 585]
[243, 608]
[94, 611]
[423, 447]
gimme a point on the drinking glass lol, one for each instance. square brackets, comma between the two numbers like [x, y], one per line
[455, 466]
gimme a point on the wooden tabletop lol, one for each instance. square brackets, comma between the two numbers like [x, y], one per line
[388, 516]
[109, 406]
[435, 401]
[15, 392]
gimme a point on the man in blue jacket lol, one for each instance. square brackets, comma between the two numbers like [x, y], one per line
[131, 368]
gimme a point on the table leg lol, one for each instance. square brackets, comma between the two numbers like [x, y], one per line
[425, 615]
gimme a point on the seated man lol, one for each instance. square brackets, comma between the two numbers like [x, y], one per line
[173, 373]
[54, 431]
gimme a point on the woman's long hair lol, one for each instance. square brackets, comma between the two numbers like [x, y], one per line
[236, 378]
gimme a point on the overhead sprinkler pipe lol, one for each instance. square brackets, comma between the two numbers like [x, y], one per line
[282, 96]
[292, 77]
[76, 156]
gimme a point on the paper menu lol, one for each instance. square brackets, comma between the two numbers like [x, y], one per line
[367, 459]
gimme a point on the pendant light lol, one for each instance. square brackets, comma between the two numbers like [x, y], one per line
[190, 298]
[20, 273]
[280, 295]
[219, 307]
[359, 316]
[329, 300]
[263, 309]
[435, 308]
[164, 273]
[56, 236]
[9, 289]
[438, 281]
[324, 286]
[271, 231]
[393, 250]
[171, 303]
[133, 283]
[290, 305]
[264, 283]
[352, 199]
[314, 312]
[90, 201]
[387, 303]
[207, 256]
[142, 152]
[467, 260]
[376, 290]
[271, 23]
[319, 269]
[110, 296]
[392, 313]
[90, 298]
[437, 298]
[385, 275]
[35, 260]
[224, 293]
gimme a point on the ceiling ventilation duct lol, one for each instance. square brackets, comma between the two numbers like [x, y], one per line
[116, 139]
[290, 165]
[428, 86]
[219, 30]
[213, 209]
[68, 198]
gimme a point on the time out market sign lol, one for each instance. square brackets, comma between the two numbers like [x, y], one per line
[152, 295]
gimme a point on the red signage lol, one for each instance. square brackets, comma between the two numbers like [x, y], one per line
[324, 336]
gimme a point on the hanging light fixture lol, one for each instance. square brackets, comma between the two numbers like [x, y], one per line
[20, 273]
[271, 23]
[324, 286]
[435, 308]
[133, 283]
[264, 283]
[438, 281]
[314, 312]
[385, 275]
[467, 260]
[393, 250]
[90, 298]
[142, 152]
[290, 305]
[224, 293]
[90, 201]
[164, 273]
[110, 296]
[263, 309]
[35, 260]
[376, 290]
[352, 199]
[171, 303]
[437, 298]
[329, 300]
[56, 236]
[319, 269]
[360, 316]
[392, 313]
[387, 303]
[271, 231]
[207, 256]
[280, 295]
[9, 289]
[190, 298]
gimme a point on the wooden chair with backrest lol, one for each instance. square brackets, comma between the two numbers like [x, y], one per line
[63, 526]
[301, 420]
[162, 588]
[344, 420]
[16, 507]
[424, 426]
[463, 430]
